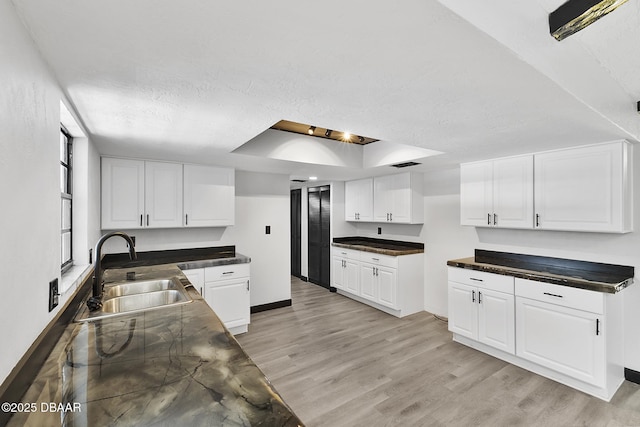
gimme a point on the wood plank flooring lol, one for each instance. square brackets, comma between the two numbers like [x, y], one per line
[337, 362]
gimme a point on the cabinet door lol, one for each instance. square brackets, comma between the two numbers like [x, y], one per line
[382, 198]
[400, 203]
[359, 200]
[476, 194]
[230, 301]
[513, 192]
[196, 277]
[496, 320]
[163, 195]
[463, 310]
[387, 292]
[561, 338]
[122, 193]
[368, 282]
[338, 270]
[352, 276]
[580, 189]
[209, 196]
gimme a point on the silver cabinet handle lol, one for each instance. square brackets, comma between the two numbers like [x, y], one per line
[391, 216]
[488, 219]
[227, 272]
[597, 326]
[140, 220]
[147, 220]
[375, 259]
[476, 280]
[473, 296]
[479, 297]
[186, 219]
[248, 288]
[495, 219]
[537, 220]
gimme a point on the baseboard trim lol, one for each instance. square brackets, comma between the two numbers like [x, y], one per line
[271, 306]
[24, 373]
[631, 375]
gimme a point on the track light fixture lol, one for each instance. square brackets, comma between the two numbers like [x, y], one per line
[361, 139]
[574, 15]
[328, 133]
[311, 130]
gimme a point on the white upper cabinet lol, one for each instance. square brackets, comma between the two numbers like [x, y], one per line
[359, 200]
[140, 194]
[209, 196]
[163, 195]
[122, 193]
[497, 193]
[576, 189]
[584, 189]
[398, 198]
[149, 194]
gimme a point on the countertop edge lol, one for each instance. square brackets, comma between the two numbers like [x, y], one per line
[610, 288]
[382, 251]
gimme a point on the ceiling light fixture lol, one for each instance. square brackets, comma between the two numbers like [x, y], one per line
[346, 136]
[313, 178]
[328, 133]
[574, 15]
[311, 130]
[361, 139]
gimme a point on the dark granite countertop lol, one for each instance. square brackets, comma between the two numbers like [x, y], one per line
[379, 246]
[172, 366]
[606, 278]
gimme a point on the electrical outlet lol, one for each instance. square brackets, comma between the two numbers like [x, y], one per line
[267, 229]
[53, 294]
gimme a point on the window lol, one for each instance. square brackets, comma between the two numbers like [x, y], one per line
[66, 191]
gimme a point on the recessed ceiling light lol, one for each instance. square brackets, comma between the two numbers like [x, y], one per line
[346, 136]
[313, 178]
[311, 130]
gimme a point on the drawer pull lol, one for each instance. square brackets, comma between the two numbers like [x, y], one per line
[375, 259]
[553, 295]
[227, 272]
[476, 280]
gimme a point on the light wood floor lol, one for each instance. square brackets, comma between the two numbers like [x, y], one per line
[337, 362]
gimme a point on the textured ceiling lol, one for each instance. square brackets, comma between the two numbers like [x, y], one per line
[196, 79]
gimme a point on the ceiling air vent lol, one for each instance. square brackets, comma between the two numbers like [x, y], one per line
[405, 165]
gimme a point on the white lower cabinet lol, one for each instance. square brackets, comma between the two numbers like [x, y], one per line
[393, 284]
[573, 336]
[226, 288]
[483, 311]
[346, 270]
[562, 339]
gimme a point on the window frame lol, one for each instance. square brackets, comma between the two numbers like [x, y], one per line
[66, 165]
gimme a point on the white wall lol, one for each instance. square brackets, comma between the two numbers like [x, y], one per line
[30, 190]
[261, 199]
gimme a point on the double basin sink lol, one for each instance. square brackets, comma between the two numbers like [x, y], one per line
[137, 296]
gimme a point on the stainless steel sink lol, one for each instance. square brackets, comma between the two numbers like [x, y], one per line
[131, 297]
[143, 301]
[131, 288]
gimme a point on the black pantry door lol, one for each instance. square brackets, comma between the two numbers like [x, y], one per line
[296, 232]
[318, 236]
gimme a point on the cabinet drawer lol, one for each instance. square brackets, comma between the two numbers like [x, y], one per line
[481, 279]
[224, 272]
[377, 259]
[346, 253]
[565, 296]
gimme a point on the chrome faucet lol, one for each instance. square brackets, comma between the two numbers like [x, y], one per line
[95, 302]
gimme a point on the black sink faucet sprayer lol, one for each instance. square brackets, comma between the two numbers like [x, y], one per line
[95, 302]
